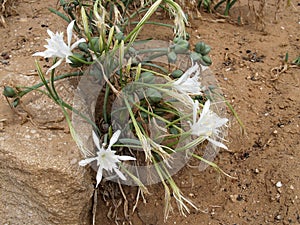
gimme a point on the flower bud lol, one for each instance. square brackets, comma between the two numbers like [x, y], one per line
[195, 56]
[94, 45]
[75, 59]
[153, 96]
[206, 50]
[83, 46]
[177, 73]
[206, 60]
[147, 77]
[202, 48]
[199, 47]
[172, 57]
[9, 92]
[182, 46]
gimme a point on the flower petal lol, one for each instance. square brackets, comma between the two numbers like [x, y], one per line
[114, 139]
[50, 33]
[119, 173]
[96, 140]
[195, 111]
[42, 54]
[55, 65]
[84, 162]
[205, 109]
[188, 73]
[99, 176]
[216, 143]
[74, 45]
[125, 157]
[70, 32]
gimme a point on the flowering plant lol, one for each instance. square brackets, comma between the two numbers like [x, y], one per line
[151, 96]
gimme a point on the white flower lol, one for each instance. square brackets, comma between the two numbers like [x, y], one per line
[208, 123]
[188, 84]
[58, 48]
[106, 158]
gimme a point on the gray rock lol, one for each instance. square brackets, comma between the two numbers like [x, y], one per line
[40, 180]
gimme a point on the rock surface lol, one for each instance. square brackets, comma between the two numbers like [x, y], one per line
[40, 179]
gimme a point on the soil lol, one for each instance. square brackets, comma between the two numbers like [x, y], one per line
[265, 159]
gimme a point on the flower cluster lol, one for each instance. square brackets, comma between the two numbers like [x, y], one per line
[209, 122]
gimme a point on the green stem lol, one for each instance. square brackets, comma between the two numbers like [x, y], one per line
[165, 50]
[154, 23]
[81, 60]
[107, 91]
[34, 87]
[156, 116]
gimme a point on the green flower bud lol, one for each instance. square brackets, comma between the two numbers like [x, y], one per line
[94, 44]
[200, 47]
[83, 47]
[195, 56]
[182, 46]
[147, 77]
[75, 59]
[9, 92]
[206, 60]
[176, 39]
[177, 73]
[206, 50]
[153, 96]
[172, 57]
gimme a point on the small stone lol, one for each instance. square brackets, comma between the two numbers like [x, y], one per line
[191, 195]
[278, 217]
[73, 161]
[279, 184]
[5, 55]
[4, 62]
[235, 198]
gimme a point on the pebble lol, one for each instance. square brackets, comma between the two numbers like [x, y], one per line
[279, 184]
[73, 161]
[5, 62]
[278, 217]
